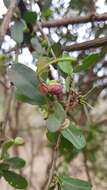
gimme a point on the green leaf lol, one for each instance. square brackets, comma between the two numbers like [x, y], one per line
[30, 17]
[26, 83]
[68, 83]
[47, 13]
[52, 137]
[87, 62]
[5, 146]
[6, 3]
[42, 65]
[4, 166]
[15, 180]
[16, 162]
[69, 183]
[75, 136]
[56, 47]
[2, 69]
[23, 98]
[37, 46]
[67, 150]
[66, 66]
[59, 111]
[53, 123]
[56, 118]
[17, 31]
[3, 59]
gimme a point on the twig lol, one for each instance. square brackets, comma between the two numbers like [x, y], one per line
[86, 113]
[87, 168]
[7, 19]
[97, 42]
[73, 20]
[101, 122]
[32, 154]
[55, 151]
[54, 158]
[84, 152]
[7, 112]
[39, 25]
[15, 129]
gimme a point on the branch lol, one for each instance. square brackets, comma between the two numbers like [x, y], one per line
[73, 20]
[7, 19]
[102, 122]
[98, 42]
[87, 167]
[7, 111]
[53, 164]
[56, 148]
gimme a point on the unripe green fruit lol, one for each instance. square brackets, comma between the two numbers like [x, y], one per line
[19, 141]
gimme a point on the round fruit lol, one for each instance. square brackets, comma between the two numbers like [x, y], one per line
[55, 89]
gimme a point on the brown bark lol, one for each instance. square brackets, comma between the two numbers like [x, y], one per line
[74, 20]
[7, 19]
[98, 42]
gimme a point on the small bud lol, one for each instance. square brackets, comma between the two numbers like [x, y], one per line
[19, 141]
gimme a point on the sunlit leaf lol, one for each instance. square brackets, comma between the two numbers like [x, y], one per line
[66, 64]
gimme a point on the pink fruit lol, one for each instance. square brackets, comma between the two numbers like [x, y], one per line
[55, 89]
